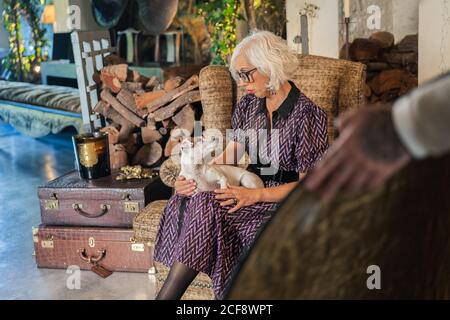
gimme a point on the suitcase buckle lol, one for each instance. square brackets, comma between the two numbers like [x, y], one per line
[53, 203]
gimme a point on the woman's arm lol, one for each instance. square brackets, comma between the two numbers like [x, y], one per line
[277, 194]
[243, 197]
[231, 155]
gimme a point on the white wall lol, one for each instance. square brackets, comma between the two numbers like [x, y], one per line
[323, 29]
[87, 20]
[434, 43]
[405, 18]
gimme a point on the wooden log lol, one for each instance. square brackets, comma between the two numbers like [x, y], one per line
[173, 83]
[142, 100]
[401, 58]
[377, 66]
[409, 83]
[113, 59]
[408, 44]
[191, 84]
[132, 86]
[111, 82]
[120, 71]
[148, 154]
[118, 156]
[388, 80]
[133, 76]
[385, 39]
[164, 130]
[151, 123]
[101, 107]
[390, 96]
[96, 78]
[152, 83]
[364, 50]
[131, 145]
[367, 91]
[150, 135]
[126, 113]
[113, 133]
[171, 109]
[126, 98]
[185, 119]
[123, 125]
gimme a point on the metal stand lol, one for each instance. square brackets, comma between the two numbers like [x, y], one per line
[347, 37]
[304, 34]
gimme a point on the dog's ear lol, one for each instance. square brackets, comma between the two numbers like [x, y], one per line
[179, 134]
[186, 144]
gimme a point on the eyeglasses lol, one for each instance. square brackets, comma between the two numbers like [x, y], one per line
[246, 76]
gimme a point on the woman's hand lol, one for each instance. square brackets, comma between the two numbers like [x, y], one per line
[238, 196]
[185, 187]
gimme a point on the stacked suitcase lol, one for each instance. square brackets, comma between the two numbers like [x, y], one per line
[89, 223]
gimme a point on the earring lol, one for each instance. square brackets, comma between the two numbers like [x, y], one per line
[272, 90]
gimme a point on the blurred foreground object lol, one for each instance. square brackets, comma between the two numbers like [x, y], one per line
[309, 251]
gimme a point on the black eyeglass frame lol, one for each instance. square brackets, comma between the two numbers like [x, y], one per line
[246, 76]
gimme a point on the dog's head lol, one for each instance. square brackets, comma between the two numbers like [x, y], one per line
[197, 154]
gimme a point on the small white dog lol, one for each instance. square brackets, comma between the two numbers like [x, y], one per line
[210, 177]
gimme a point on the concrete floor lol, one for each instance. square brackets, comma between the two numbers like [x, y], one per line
[26, 163]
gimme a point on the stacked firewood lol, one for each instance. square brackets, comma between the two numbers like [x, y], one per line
[141, 113]
[391, 68]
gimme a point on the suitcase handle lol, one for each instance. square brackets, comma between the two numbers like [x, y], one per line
[79, 209]
[91, 259]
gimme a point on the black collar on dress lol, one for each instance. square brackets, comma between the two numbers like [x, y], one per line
[288, 104]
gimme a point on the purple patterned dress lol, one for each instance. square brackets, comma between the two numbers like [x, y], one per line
[202, 235]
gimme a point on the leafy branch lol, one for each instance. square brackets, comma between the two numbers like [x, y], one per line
[19, 65]
[221, 17]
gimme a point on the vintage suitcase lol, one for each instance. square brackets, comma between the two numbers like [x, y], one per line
[110, 249]
[104, 202]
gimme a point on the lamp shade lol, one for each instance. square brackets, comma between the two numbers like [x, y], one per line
[49, 14]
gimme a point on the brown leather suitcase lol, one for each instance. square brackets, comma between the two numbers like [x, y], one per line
[112, 249]
[104, 202]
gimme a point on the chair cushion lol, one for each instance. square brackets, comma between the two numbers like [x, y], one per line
[54, 97]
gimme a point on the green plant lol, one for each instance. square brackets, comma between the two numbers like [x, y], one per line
[22, 67]
[221, 17]
[271, 15]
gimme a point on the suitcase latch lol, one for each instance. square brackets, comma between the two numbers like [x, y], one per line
[137, 247]
[52, 203]
[130, 206]
[47, 244]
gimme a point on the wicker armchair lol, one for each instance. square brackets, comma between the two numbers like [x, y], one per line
[334, 85]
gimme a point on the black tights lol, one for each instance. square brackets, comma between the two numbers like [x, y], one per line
[178, 280]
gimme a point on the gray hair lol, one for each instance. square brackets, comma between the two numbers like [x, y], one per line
[270, 54]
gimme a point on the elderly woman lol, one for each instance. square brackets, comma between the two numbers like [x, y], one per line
[207, 232]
